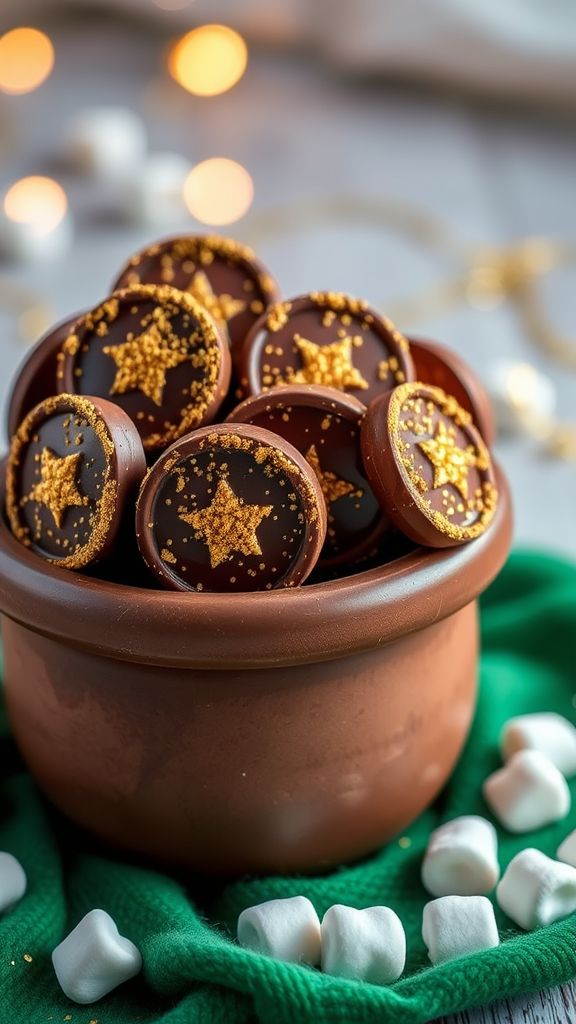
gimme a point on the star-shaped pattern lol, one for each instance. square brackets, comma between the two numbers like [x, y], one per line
[222, 307]
[328, 364]
[57, 488]
[332, 486]
[228, 524]
[451, 462]
[143, 362]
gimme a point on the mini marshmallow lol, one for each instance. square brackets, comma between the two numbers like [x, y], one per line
[368, 945]
[521, 394]
[528, 793]
[454, 926]
[287, 929]
[567, 849]
[107, 142]
[547, 732]
[12, 882]
[153, 197]
[536, 890]
[462, 858]
[94, 959]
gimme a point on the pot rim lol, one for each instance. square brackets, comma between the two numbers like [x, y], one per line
[312, 623]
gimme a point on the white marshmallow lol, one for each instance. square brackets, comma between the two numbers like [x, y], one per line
[528, 793]
[521, 395]
[287, 929]
[94, 959]
[567, 849]
[454, 926]
[547, 732]
[153, 197]
[368, 945]
[107, 142]
[462, 858]
[536, 890]
[12, 881]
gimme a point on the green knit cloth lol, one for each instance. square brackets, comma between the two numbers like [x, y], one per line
[184, 926]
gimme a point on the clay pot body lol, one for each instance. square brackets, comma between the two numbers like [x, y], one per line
[284, 731]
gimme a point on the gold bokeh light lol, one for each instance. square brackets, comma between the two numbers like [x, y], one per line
[208, 60]
[26, 60]
[36, 201]
[218, 191]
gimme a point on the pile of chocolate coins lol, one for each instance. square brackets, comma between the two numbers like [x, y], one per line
[196, 431]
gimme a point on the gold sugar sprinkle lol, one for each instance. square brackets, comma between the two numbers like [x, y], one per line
[330, 365]
[278, 316]
[228, 524]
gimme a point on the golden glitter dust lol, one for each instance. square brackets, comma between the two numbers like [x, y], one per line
[57, 489]
[228, 524]
[333, 487]
[143, 362]
[26, 60]
[209, 60]
[330, 365]
[451, 462]
[222, 307]
[218, 191]
[37, 201]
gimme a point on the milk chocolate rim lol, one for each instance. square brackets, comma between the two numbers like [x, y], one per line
[213, 339]
[302, 477]
[249, 356]
[482, 411]
[321, 622]
[242, 255]
[28, 367]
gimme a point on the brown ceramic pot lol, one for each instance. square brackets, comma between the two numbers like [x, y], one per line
[280, 731]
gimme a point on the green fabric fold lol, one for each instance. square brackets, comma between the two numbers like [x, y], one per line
[184, 926]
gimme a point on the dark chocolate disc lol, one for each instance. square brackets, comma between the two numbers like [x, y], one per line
[75, 464]
[231, 508]
[441, 367]
[154, 351]
[429, 466]
[325, 338]
[324, 425]
[36, 376]
[223, 275]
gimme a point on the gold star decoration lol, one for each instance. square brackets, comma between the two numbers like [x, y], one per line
[332, 486]
[222, 307]
[57, 489]
[143, 363]
[451, 462]
[328, 364]
[227, 524]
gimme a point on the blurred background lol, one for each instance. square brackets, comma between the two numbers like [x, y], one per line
[419, 154]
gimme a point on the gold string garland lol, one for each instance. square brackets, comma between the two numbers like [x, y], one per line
[485, 277]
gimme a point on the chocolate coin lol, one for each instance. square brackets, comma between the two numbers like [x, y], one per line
[231, 508]
[429, 466]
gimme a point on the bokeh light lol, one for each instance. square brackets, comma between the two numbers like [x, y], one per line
[218, 191]
[38, 202]
[209, 60]
[26, 60]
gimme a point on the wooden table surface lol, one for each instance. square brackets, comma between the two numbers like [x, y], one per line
[558, 1006]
